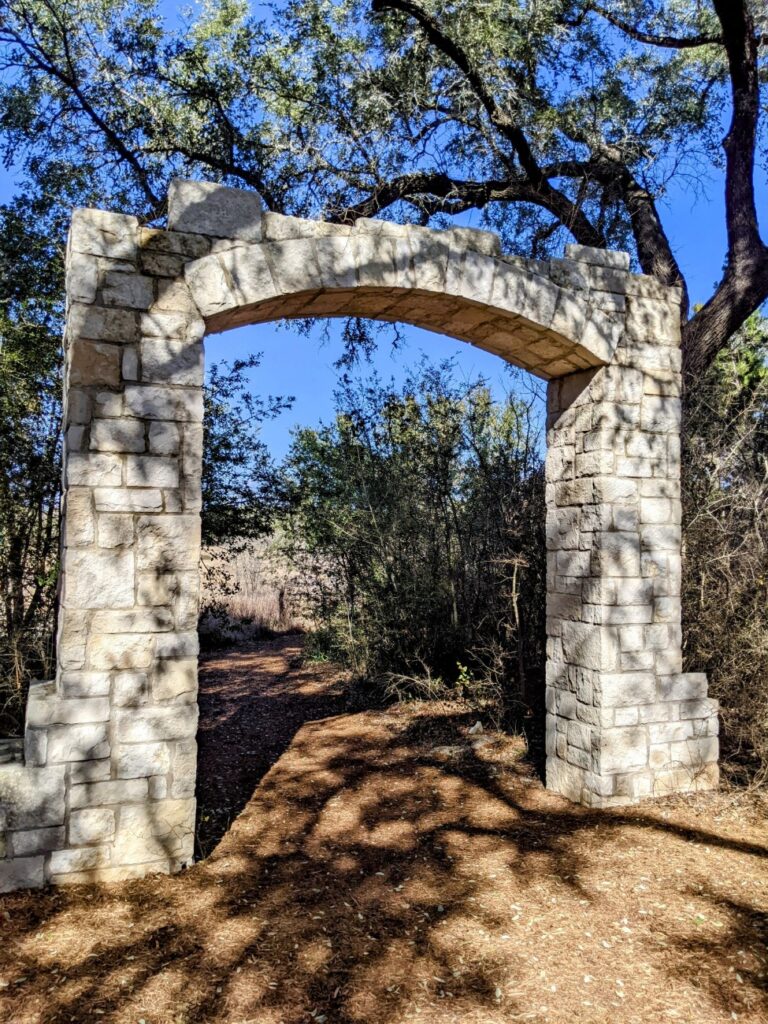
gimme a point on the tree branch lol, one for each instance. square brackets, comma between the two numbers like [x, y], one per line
[665, 41]
[745, 283]
[452, 194]
[567, 212]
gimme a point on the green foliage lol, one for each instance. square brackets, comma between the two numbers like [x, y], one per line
[30, 451]
[419, 515]
[725, 580]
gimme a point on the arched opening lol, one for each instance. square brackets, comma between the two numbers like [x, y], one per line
[440, 590]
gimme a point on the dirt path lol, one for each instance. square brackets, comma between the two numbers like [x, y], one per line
[387, 870]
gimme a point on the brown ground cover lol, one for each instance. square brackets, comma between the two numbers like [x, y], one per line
[389, 867]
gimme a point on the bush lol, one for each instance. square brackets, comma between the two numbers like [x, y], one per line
[419, 515]
[725, 529]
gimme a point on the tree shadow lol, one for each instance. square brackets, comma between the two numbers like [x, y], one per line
[389, 867]
[252, 702]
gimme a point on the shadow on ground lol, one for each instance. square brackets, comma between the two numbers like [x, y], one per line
[252, 703]
[389, 867]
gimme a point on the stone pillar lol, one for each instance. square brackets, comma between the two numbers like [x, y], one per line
[623, 720]
[120, 721]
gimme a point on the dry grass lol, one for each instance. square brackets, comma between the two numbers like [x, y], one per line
[391, 868]
[251, 591]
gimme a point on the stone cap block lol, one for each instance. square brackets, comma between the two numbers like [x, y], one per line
[597, 257]
[205, 208]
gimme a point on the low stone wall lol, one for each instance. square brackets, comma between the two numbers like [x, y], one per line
[106, 786]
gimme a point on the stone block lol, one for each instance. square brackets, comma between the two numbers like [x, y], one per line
[75, 439]
[151, 471]
[128, 499]
[703, 707]
[130, 363]
[661, 538]
[32, 797]
[163, 438]
[97, 578]
[623, 689]
[174, 296]
[158, 402]
[175, 677]
[114, 791]
[166, 325]
[120, 435]
[177, 645]
[168, 542]
[82, 859]
[94, 470]
[134, 291]
[79, 522]
[137, 620]
[92, 825]
[210, 287]
[110, 328]
[77, 742]
[172, 362]
[174, 243]
[665, 711]
[99, 233]
[150, 725]
[205, 208]
[75, 711]
[660, 415]
[164, 828]
[77, 406]
[622, 749]
[683, 686]
[115, 530]
[131, 689]
[653, 321]
[632, 638]
[37, 840]
[82, 277]
[89, 771]
[21, 873]
[627, 614]
[598, 257]
[84, 684]
[120, 650]
[616, 554]
[160, 587]
[671, 732]
[590, 646]
[694, 753]
[107, 403]
[565, 779]
[142, 760]
[625, 716]
[523, 294]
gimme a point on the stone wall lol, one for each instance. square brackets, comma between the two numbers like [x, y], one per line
[104, 786]
[623, 720]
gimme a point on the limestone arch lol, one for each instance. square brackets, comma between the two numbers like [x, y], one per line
[104, 785]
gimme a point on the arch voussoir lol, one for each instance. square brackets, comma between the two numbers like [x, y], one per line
[103, 785]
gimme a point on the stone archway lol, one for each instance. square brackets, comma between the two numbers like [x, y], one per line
[105, 788]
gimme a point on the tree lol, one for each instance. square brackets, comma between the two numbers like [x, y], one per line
[552, 117]
[725, 582]
[418, 518]
[30, 470]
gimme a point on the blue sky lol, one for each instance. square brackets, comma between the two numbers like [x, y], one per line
[304, 366]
